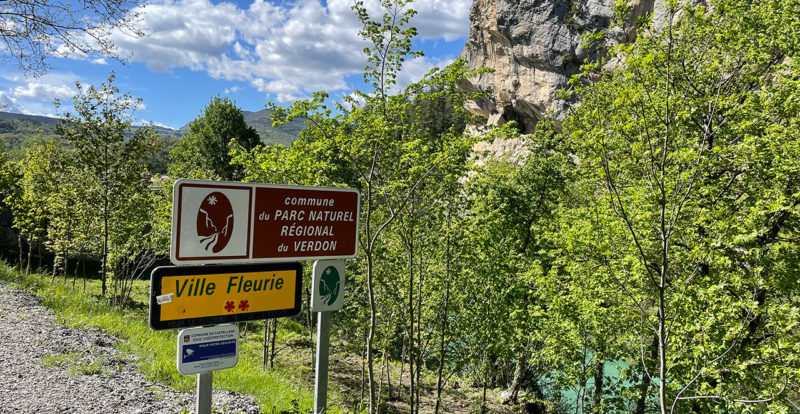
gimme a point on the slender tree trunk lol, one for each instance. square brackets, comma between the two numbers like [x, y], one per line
[380, 379]
[55, 267]
[84, 274]
[485, 385]
[411, 353]
[75, 272]
[363, 373]
[66, 266]
[105, 244]
[662, 349]
[388, 381]
[66, 251]
[442, 355]
[267, 332]
[30, 255]
[641, 403]
[403, 354]
[599, 368]
[41, 255]
[371, 334]
[419, 348]
[663, 335]
[519, 376]
[272, 347]
[19, 242]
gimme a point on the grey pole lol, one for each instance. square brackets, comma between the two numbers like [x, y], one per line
[321, 381]
[203, 403]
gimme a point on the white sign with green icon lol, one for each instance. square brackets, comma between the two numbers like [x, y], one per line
[327, 286]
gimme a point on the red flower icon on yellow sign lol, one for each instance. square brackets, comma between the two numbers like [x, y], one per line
[243, 305]
[230, 306]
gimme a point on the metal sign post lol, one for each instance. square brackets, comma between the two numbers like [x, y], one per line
[321, 380]
[327, 296]
[201, 351]
[203, 403]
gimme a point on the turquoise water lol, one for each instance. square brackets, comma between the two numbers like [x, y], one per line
[612, 370]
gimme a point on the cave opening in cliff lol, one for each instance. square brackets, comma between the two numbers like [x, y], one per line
[510, 114]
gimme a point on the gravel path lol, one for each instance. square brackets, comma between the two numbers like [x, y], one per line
[46, 367]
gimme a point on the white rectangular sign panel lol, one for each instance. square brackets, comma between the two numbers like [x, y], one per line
[327, 285]
[208, 349]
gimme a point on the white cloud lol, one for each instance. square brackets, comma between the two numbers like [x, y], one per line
[182, 33]
[142, 122]
[9, 104]
[137, 106]
[287, 49]
[414, 69]
[353, 101]
[43, 91]
[12, 77]
[35, 108]
[442, 19]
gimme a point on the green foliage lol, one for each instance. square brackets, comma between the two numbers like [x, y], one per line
[112, 165]
[159, 162]
[16, 135]
[688, 155]
[203, 151]
[401, 150]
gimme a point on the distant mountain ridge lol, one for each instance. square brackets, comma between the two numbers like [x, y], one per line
[46, 120]
[261, 122]
[12, 125]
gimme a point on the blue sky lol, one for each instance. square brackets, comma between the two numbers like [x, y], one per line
[251, 51]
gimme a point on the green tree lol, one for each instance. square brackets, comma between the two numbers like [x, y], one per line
[138, 238]
[39, 178]
[112, 163]
[381, 144]
[67, 204]
[693, 140]
[203, 151]
[513, 207]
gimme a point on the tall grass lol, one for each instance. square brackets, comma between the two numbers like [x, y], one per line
[276, 390]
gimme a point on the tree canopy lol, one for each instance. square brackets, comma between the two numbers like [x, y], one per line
[113, 164]
[203, 150]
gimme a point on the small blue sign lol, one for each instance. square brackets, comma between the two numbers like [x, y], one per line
[208, 350]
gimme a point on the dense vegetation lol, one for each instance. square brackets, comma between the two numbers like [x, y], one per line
[19, 132]
[641, 257]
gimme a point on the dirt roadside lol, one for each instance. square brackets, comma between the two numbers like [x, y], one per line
[46, 367]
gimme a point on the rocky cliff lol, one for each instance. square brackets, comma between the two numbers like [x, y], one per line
[534, 46]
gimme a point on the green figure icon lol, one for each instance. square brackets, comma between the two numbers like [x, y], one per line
[329, 285]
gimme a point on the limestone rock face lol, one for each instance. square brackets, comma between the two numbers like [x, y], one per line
[534, 46]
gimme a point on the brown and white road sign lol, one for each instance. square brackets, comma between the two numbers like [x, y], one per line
[228, 222]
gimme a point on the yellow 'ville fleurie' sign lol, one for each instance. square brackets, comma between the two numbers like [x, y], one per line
[205, 295]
